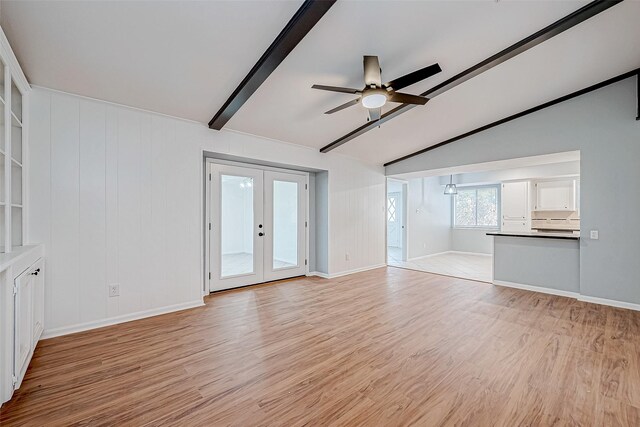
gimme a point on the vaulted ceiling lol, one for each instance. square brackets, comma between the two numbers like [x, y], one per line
[185, 58]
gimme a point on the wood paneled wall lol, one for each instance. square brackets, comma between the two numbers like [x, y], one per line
[116, 197]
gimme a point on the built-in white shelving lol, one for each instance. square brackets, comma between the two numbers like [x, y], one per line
[12, 144]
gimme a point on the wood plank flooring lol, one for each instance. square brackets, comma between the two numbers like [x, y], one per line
[389, 347]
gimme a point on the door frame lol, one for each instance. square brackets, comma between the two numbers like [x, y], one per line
[405, 223]
[207, 210]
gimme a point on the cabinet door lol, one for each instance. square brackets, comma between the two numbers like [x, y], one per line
[514, 200]
[23, 334]
[555, 195]
[515, 225]
[38, 301]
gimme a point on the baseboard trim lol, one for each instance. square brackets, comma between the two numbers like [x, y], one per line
[356, 270]
[319, 274]
[540, 289]
[427, 256]
[66, 330]
[468, 253]
[345, 273]
[575, 295]
[447, 252]
[609, 302]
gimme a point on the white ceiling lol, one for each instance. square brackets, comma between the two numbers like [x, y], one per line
[174, 57]
[185, 58]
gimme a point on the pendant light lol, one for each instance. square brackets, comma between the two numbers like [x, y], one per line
[450, 188]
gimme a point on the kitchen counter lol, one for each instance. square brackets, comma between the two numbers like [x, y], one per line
[544, 262]
[540, 234]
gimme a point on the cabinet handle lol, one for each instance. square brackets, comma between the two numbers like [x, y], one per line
[35, 273]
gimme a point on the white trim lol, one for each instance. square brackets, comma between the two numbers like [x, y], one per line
[319, 274]
[345, 273]
[468, 253]
[356, 270]
[537, 289]
[609, 302]
[427, 256]
[575, 295]
[10, 60]
[448, 252]
[120, 319]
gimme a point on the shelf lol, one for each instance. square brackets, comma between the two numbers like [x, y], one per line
[14, 205]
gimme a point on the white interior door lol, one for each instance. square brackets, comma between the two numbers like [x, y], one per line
[237, 229]
[284, 218]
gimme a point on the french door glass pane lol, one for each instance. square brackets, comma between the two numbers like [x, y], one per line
[285, 224]
[236, 222]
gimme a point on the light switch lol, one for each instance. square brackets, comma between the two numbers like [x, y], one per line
[594, 235]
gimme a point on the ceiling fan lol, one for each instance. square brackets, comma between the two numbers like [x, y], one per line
[375, 94]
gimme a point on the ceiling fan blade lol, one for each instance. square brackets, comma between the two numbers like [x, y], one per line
[405, 98]
[372, 71]
[415, 77]
[336, 89]
[375, 114]
[343, 106]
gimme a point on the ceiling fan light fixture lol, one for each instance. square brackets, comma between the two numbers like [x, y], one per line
[374, 99]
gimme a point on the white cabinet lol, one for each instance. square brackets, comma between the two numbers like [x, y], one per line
[515, 206]
[28, 317]
[23, 323]
[556, 195]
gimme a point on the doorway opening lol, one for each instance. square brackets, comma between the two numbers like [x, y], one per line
[257, 224]
[396, 221]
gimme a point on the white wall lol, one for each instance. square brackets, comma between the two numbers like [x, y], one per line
[471, 240]
[429, 217]
[116, 197]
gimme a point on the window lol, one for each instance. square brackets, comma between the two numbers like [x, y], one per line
[391, 209]
[476, 207]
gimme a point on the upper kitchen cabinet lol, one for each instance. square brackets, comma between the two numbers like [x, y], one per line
[515, 206]
[556, 195]
[514, 200]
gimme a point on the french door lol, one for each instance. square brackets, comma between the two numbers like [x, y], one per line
[258, 228]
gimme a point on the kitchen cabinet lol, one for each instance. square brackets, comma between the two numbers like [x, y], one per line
[28, 314]
[22, 286]
[515, 206]
[556, 195]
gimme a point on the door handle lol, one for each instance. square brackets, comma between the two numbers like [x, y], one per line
[260, 234]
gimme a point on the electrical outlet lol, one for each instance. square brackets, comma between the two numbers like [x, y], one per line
[594, 235]
[346, 257]
[114, 290]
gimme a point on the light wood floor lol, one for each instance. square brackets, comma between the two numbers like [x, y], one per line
[385, 347]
